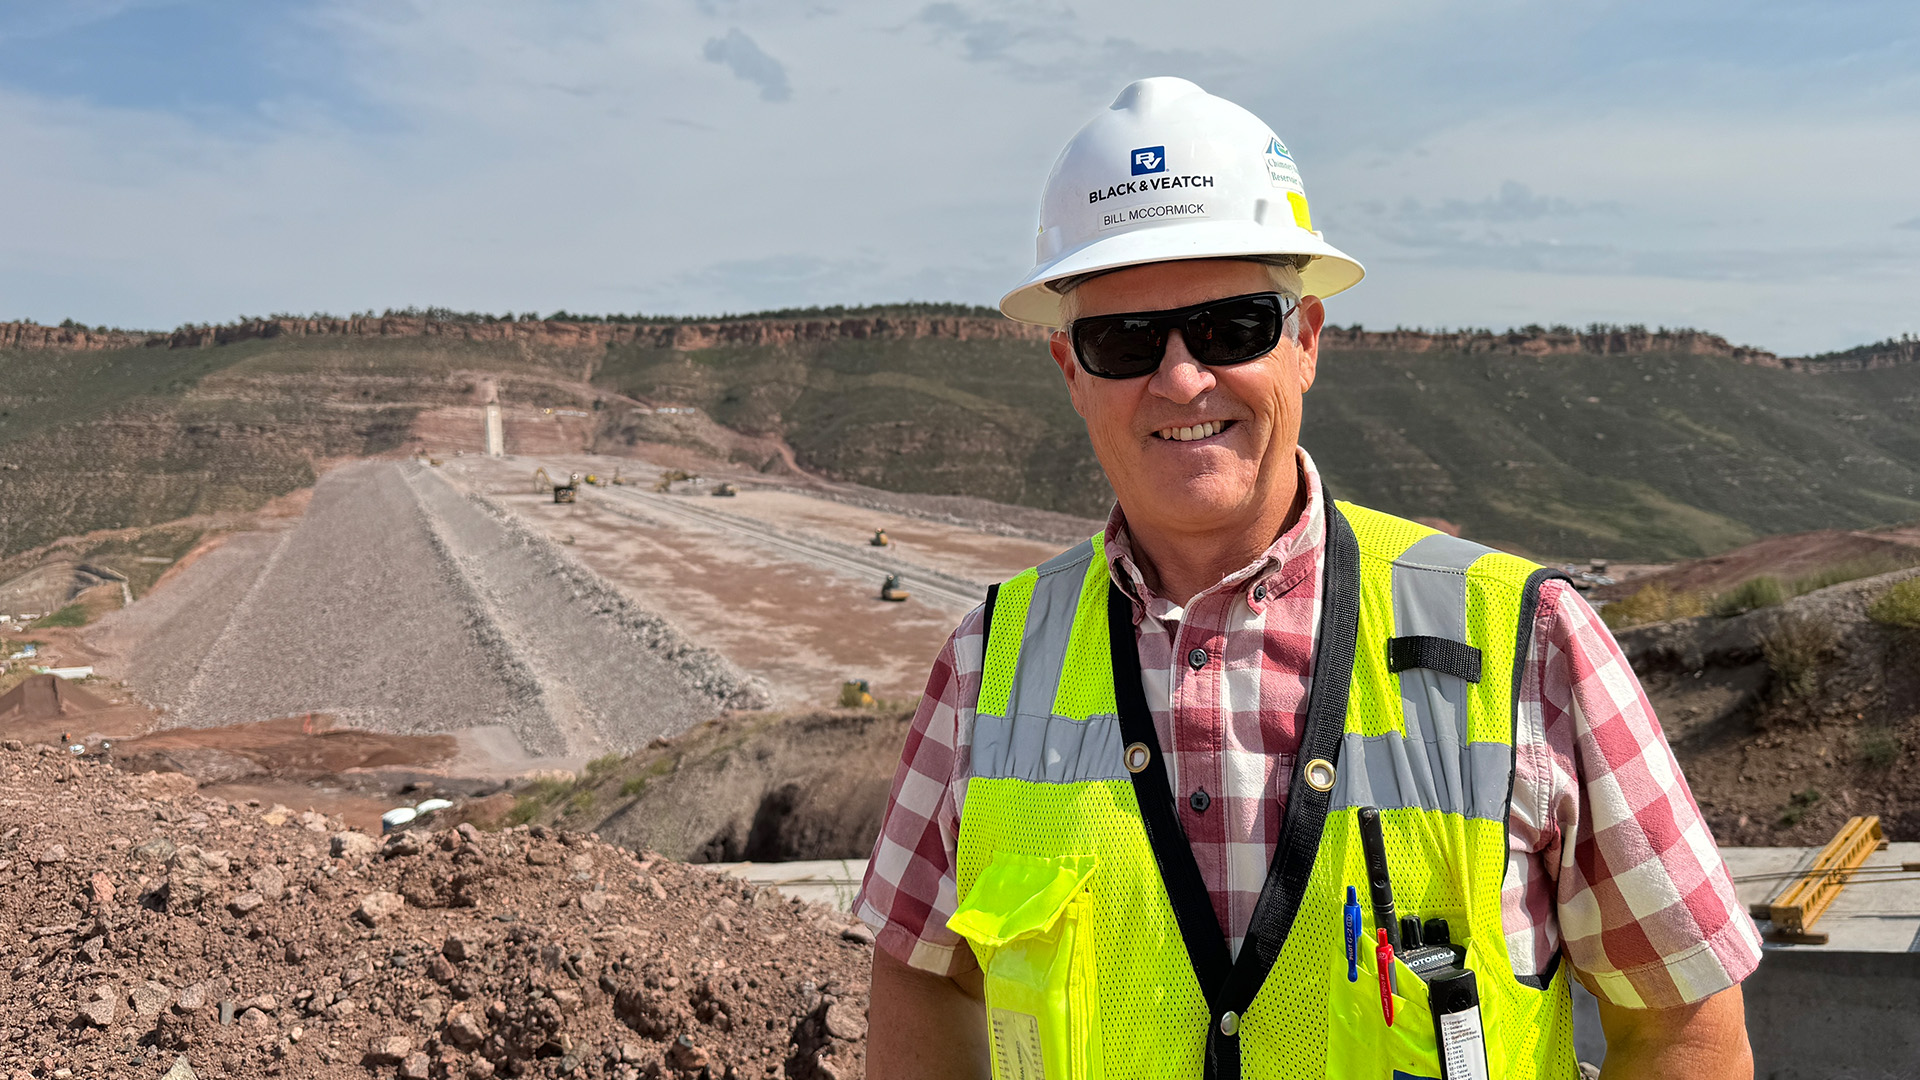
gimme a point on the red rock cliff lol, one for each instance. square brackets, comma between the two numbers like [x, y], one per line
[23, 335]
[685, 336]
[1611, 342]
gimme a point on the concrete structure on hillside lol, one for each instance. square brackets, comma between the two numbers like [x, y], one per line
[832, 882]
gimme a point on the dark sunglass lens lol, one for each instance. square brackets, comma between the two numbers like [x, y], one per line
[1120, 347]
[1234, 331]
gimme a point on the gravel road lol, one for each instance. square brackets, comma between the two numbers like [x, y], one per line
[861, 563]
[398, 604]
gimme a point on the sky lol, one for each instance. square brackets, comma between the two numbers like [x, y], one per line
[1745, 168]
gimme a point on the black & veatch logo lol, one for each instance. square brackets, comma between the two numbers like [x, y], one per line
[1149, 184]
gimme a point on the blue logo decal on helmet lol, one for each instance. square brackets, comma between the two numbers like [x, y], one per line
[1149, 159]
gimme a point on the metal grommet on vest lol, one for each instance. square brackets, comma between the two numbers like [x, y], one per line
[1320, 774]
[1229, 1023]
[1137, 757]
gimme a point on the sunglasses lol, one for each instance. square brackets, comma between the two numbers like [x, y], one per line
[1217, 333]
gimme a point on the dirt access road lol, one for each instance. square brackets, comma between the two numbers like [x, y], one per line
[784, 585]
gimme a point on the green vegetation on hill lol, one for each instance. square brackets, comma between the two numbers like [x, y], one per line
[1640, 456]
[131, 437]
[1634, 456]
[986, 418]
[1644, 456]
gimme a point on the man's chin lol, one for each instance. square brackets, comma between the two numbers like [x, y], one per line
[1195, 505]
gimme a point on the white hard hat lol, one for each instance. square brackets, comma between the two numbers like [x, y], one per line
[1168, 171]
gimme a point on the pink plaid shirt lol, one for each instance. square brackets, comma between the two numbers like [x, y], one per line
[1609, 856]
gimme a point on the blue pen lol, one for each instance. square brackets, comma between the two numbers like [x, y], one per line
[1353, 935]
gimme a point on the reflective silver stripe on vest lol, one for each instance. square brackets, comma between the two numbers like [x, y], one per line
[1047, 749]
[1431, 767]
[1043, 645]
[1030, 742]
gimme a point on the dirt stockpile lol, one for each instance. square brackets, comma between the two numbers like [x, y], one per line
[291, 748]
[398, 605]
[45, 697]
[142, 923]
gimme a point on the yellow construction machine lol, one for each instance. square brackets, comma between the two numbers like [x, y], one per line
[890, 589]
[562, 493]
[856, 694]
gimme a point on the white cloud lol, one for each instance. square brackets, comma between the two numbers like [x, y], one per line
[744, 57]
[1492, 168]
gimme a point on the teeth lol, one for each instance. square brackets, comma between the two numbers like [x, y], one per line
[1197, 431]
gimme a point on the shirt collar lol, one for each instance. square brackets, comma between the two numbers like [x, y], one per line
[1286, 560]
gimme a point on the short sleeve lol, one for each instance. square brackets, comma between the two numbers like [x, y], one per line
[1646, 908]
[910, 889]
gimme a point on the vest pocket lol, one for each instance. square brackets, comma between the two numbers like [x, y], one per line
[1359, 1042]
[1030, 923]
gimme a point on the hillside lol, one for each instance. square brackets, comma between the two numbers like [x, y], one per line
[1618, 443]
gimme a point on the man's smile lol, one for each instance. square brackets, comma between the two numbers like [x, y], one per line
[1205, 429]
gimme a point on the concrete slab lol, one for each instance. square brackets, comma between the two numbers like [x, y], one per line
[821, 881]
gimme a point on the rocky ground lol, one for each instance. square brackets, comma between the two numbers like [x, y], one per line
[142, 923]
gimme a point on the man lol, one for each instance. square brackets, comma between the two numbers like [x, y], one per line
[1145, 774]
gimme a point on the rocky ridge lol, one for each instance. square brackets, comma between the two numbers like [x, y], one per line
[693, 336]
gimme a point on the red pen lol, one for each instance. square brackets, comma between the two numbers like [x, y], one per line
[1383, 959]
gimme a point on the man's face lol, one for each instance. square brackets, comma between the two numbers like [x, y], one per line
[1227, 481]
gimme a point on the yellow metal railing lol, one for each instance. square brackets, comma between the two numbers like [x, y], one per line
[1796, 909]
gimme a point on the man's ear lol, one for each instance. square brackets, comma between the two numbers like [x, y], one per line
[1313, 315]
[1061, 346]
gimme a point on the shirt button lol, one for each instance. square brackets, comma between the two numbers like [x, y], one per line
[1200, 800]
[1197, 659]
[1259, 592]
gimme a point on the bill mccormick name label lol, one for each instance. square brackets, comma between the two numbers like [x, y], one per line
[1116, 218]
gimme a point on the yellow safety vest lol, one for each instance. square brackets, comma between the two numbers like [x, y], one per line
[1079, 893]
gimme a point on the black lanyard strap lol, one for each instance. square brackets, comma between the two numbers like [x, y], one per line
[1230, 985]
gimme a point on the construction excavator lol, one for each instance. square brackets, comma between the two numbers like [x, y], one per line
[562, 493]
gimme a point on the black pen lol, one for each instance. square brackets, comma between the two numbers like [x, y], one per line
[1373, 848]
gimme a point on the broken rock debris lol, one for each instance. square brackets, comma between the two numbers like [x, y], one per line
[225, 941]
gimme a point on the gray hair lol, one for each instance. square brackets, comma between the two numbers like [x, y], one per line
[1282, 271]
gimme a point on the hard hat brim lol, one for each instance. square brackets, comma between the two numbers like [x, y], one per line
[1331, 270]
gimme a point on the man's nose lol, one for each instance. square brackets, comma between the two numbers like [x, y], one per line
[1181, 378]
